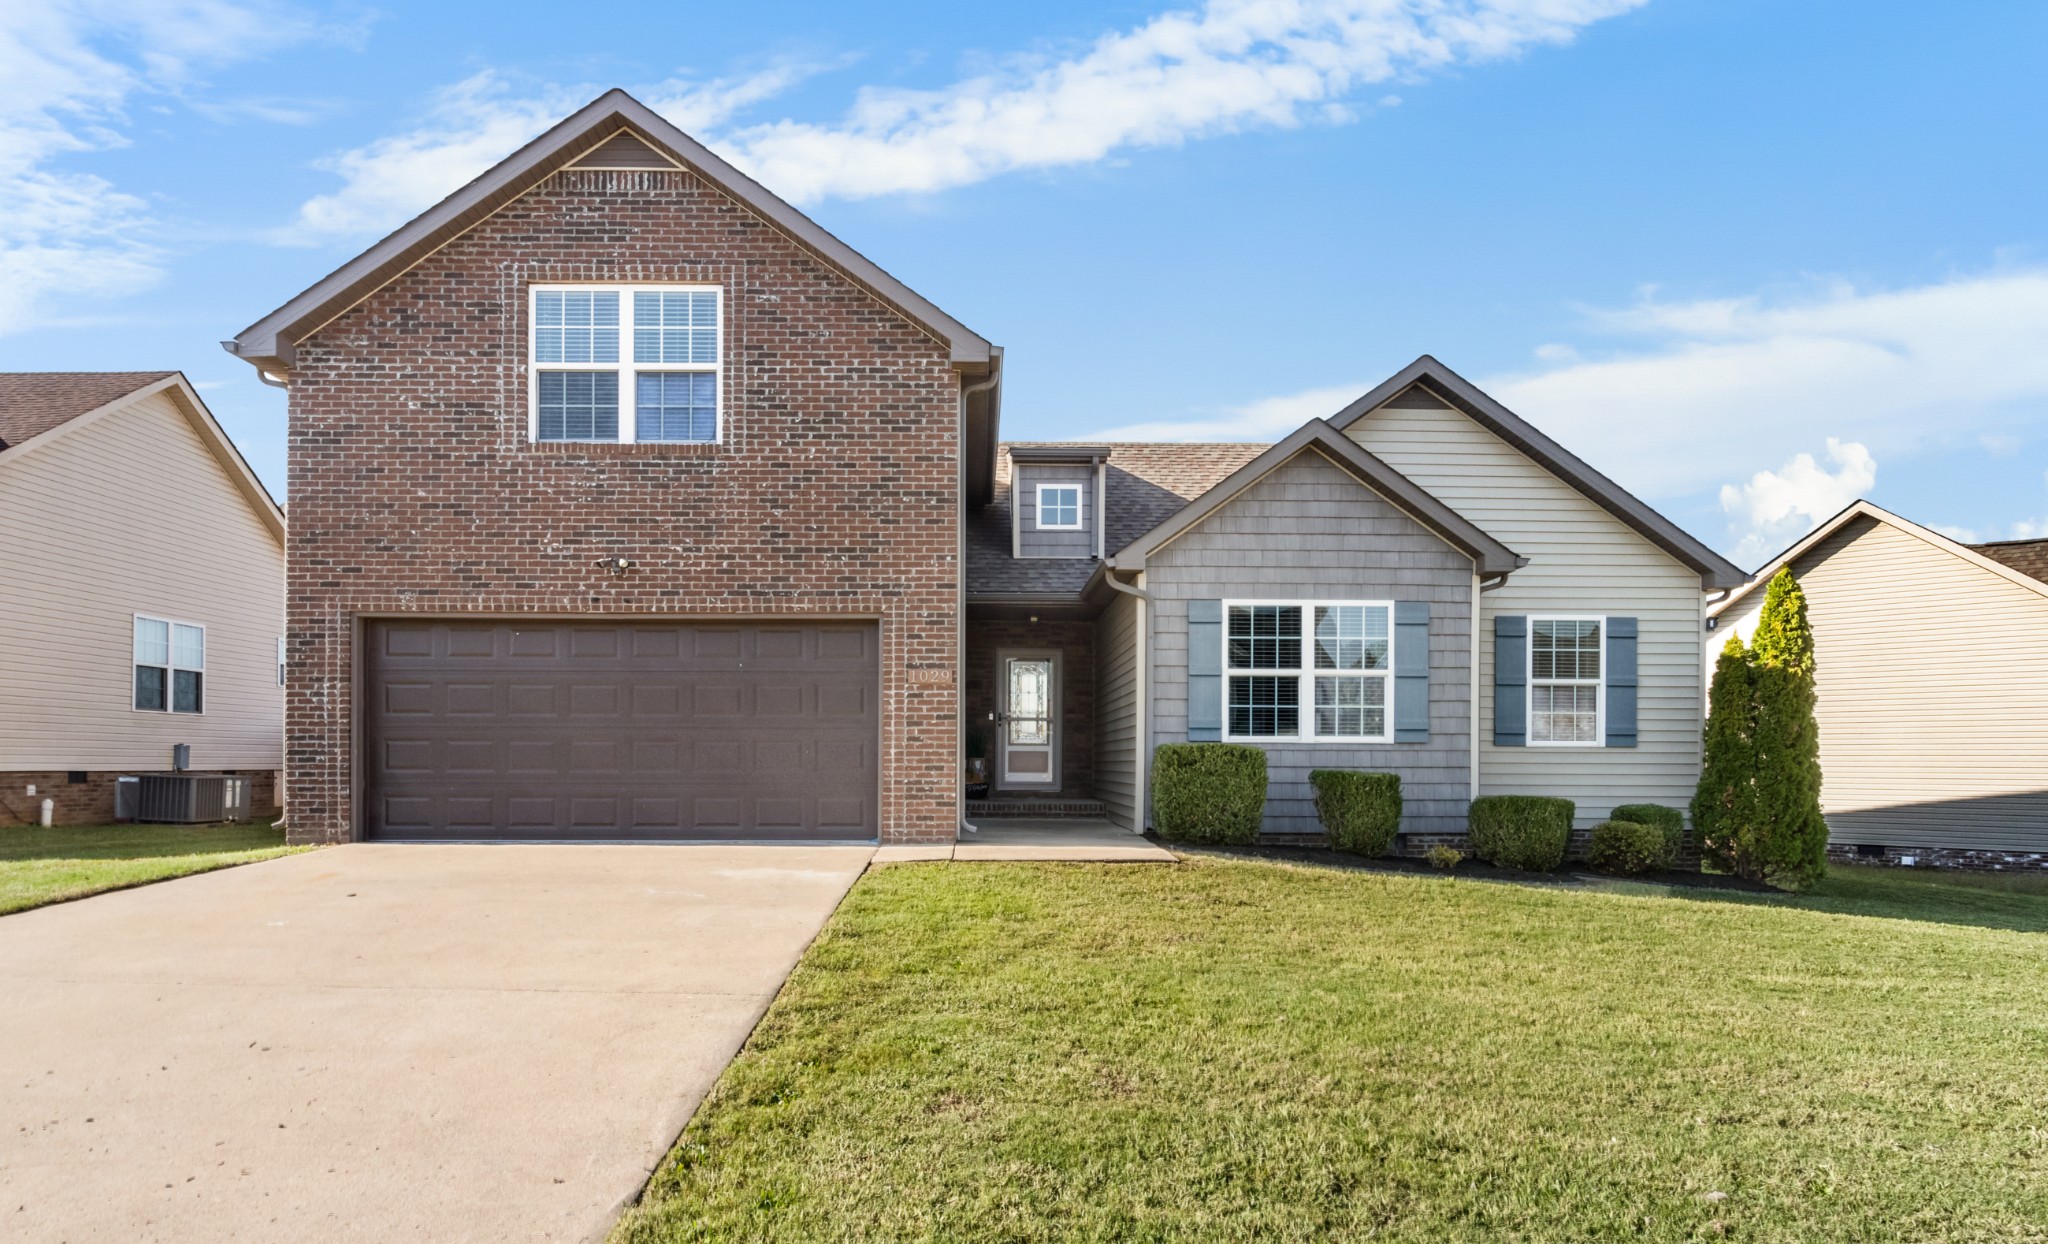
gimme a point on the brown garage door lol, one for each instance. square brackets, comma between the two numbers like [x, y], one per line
[548, 731]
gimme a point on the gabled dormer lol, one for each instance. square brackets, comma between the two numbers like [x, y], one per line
[1056, 501]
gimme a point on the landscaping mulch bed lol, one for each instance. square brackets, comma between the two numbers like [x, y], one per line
[1573, 873]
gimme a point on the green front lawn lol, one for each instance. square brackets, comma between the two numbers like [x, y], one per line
[39, 866]
[1236, 1050]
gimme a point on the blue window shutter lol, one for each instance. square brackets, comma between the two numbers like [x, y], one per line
[1510, 680]
[1411, 671]
[1621, 682]
[1205, 671]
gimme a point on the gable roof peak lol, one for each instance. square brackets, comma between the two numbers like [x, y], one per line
[1489, 556]
[1715, 571]
[269, 343]
[1864, 508]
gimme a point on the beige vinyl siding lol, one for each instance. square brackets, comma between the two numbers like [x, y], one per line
[1116, 711]
[1582, 560]
[131, 514]
[1931, 674]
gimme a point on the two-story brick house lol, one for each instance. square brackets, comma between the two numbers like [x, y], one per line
[629, 503]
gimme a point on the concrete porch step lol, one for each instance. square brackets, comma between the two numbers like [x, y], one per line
[1087, 808]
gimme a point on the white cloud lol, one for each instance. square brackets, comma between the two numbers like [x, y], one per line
[1777, 507]
[1267, 419]
[1231, 65]
[1710, 388]
[70, 67]
[477, 122]
[1228, 66]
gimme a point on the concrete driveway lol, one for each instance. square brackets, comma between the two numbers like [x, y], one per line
[385, 1042]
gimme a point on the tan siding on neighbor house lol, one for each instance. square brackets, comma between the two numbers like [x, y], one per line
[1932, 679]
[1582, 560]
[131, 514]
[1116, 708]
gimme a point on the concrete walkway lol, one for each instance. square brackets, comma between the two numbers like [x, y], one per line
[385, 1042]
[1074, 840]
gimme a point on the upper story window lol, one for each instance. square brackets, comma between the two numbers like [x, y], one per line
[627, 363]
[1059, 507]
[1308, 671]
[170, 666]
[1565, 660]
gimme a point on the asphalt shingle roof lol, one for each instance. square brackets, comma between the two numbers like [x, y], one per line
[1145, 484]
[2029, 557]
[33, 402]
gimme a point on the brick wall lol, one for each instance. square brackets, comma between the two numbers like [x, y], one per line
[91, 802]
[414, 488]
[1075, 642]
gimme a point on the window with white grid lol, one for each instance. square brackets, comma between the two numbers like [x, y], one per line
[627, 363]
[1309, 671]
[1565, 661]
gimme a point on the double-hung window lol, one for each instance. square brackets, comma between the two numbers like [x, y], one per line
[170, 666]
[1307, 670]
[1565, 660]
[1059, 507]
[627, 363]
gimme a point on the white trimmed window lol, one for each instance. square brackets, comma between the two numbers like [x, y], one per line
[1059, 507]
[170, 666]
[627, 363]
[1566, 656]
[1308, 670]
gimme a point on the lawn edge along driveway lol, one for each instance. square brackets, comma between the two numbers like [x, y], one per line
[41, 866]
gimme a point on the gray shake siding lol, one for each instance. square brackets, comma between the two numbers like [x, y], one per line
[1310, 531]
[1116, 708]
[1031, 542]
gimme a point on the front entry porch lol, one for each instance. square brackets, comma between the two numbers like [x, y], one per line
[1029, 700]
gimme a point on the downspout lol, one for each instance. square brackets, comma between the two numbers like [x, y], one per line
[995, 376]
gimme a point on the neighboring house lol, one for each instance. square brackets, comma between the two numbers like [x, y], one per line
[628, 503]
[1931, 671]
[143, 606]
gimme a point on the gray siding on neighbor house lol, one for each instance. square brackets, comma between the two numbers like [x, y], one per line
[1931, 674]
[1031, 542]
[1116, 711]
[1582, 561]
[1310, 531]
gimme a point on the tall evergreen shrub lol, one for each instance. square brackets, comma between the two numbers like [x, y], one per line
[1757, 810]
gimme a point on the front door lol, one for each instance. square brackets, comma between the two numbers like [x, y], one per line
[1030, 721]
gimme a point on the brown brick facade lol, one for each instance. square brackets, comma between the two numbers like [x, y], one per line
[1075, 642]
[91, 802]
[415, 489]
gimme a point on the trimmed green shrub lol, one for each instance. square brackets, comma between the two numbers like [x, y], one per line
[1629, 847]
[1670, 820]
[1360, 812]
[1444, 856]
[1528, 832]
[1208, 792]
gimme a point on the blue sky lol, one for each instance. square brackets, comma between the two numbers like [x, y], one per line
[1751, 259]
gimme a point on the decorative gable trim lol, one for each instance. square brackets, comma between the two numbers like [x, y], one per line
[623, 150]
[1425, 373]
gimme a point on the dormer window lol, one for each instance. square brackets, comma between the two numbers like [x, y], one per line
[626, 363]
[1059, 507]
